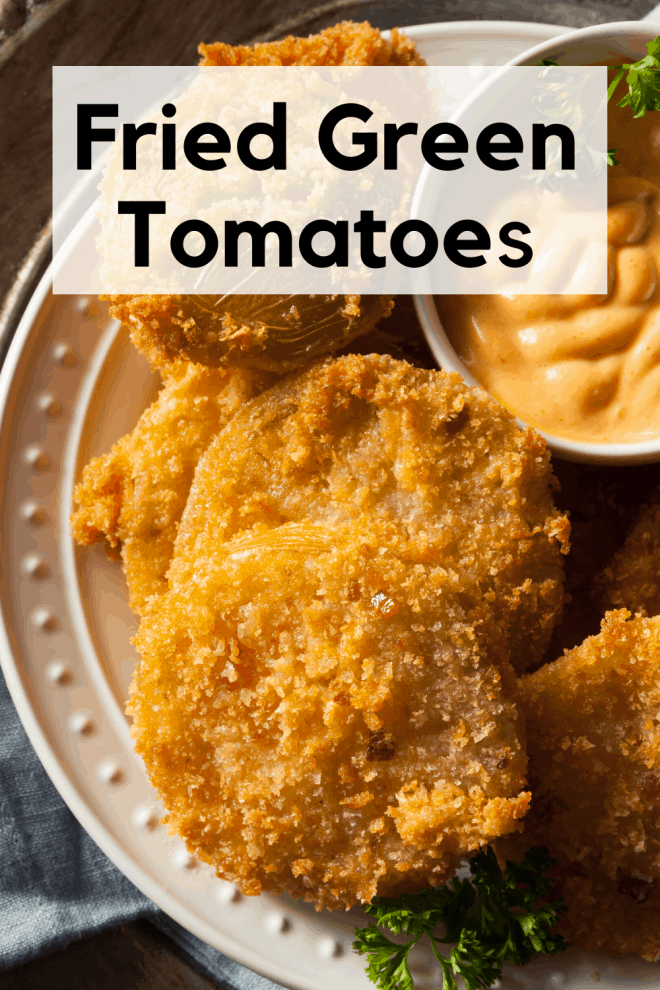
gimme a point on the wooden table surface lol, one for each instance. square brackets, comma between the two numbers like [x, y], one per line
[36, 35]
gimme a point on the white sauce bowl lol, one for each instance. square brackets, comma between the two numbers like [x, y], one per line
[625, 41]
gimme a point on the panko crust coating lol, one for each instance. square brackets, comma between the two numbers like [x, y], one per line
[134, 496]
[613, 916]
[632, 578]
[346, 43]
[500, 528]
[593, 737]
[272, 333]
[324, 700]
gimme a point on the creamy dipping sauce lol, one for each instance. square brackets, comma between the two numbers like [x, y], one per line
[585, 367]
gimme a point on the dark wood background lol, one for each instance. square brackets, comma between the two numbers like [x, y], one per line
[37, 35]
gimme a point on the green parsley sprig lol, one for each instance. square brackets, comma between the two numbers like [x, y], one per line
[490, 919]
[643, 78]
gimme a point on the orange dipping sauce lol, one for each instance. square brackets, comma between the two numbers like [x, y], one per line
[584, 368]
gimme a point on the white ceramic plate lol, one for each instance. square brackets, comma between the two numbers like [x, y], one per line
[71, 386]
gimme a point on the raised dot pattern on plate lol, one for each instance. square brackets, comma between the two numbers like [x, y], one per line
[227, 893]
[44, 619]
[108, 771]
[328, 948]
[64, 355]
[81, 724]
[58, 673]
[89, 308]
[145, 818]
[33, 513]
[49, 405]
[34, 566]
[276, 923]
[183, 861]
[36, 457]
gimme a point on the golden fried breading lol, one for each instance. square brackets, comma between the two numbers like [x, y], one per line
[510, 540]
[324, 700]
[345, 43]
[593, 738]
[632, 578]
[273, 333]
[614, 916]
[135, 495]
[398, 334]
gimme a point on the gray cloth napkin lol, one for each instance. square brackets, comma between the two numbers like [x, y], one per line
[56, 885]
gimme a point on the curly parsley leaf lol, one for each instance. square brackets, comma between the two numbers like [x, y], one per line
[643, 79]
[489, 919]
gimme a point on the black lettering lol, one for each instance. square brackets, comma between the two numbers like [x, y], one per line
[429, 250]
[454, 244]
[275, 131]
[132, 135]
[348, 163]
[258, 234]
[193, 148]
[392, 136]
[526, 250]
[169, 147]
[338, 256]
[540, 134]
[169, 138]
[486, 147]
[366, 227]
[86, 134]
[141, 210]
[432, 148]
[210, 243]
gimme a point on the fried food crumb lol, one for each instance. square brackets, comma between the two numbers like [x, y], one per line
[593, 737]
[345, 43]
[271, 333]
[324, 699]
[133, 497]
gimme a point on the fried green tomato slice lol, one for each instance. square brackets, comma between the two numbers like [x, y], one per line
[275, 333]
[133, 497]
[593, 737]
[324, 699]
[272, 333]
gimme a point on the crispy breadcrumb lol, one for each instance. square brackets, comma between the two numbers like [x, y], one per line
[345, 43]
[632, 578]
[593, 737]
[134, 496]
[324, 700]
[275, 333]
[613, 916]
[272, 333]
